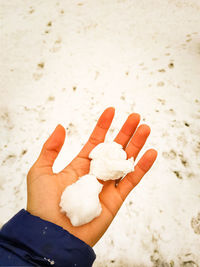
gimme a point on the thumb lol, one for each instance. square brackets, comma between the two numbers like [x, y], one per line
[51, 148]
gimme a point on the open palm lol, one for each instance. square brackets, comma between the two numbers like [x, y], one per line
[45, 187]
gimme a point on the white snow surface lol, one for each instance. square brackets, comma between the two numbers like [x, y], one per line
[138, 56]
[109, 161]
[80, 200]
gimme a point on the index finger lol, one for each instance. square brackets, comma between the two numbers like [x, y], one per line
[99, 133]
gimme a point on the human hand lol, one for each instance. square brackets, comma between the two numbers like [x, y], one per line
[45, 187]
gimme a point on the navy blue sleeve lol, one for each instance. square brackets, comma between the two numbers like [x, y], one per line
[27, 240]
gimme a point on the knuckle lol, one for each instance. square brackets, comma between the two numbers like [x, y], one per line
[94, 141]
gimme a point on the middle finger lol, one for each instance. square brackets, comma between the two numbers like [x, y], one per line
[137, 141]
[128, 129]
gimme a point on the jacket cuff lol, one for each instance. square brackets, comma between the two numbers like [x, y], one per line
[40, 241]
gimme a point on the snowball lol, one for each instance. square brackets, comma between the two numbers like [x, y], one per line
[80, 200]
[111, 150]
[106, 169]
[109, 161]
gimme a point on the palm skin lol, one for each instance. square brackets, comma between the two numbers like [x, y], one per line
[45, 187]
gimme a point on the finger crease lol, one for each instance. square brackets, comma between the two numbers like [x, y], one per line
[136, 146]
[128, 135]
[113, 215]
[104, 128]
[94, 140]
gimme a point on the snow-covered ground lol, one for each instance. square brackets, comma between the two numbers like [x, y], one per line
[65, 61]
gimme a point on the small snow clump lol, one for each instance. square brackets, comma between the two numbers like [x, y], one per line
[80, 200]
[109, 161]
